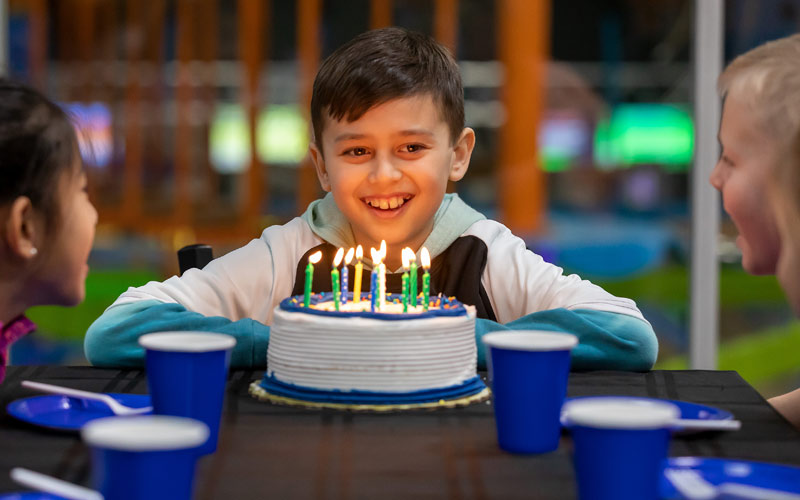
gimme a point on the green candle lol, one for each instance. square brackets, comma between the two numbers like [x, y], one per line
[425, 259]
[412, 280]
[405, 259]
[312, 259]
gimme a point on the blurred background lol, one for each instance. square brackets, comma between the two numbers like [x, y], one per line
[193, 117]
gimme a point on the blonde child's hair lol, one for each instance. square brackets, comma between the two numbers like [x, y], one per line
[767, 80]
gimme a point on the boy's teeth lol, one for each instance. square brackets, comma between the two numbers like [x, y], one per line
[386, 203]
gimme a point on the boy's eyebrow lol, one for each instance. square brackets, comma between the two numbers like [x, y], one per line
[348, 137]
[354, 136]
[417, 131]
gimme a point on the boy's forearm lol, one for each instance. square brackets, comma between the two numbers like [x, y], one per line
[788, 405]
[607, 341]
[112, 340]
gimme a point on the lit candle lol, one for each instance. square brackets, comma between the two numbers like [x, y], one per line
[336, 288]
[312, 259]
[382, 277]
[405, 287]
[375, 280]
[346, 274]
[412, 279]
[359, 269]
[425, 260]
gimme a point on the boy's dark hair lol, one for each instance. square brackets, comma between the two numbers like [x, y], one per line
[37, 145]
[384, 64]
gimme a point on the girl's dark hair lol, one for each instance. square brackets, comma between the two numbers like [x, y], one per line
[37, 145]
[384, 64]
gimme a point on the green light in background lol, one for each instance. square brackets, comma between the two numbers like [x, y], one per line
[282, 135]
[229, 140]
[661, 134]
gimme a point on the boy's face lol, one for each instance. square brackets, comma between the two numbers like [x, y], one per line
[388, 170]
[741, 175]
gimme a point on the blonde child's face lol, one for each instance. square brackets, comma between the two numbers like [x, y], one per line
[388, 170]
[62, 275]
[741, 175]
[788, 271]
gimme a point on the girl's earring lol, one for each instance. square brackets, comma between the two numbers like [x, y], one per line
[34, 251]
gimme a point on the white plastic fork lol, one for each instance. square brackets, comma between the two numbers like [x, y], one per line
[48, 484]
[116, 407]
[693, 486]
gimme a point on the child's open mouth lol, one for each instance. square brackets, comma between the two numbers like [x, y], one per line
[388, 205]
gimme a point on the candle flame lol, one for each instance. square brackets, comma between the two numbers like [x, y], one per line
[348, 256]
[315, 257]
[425, 258]
[338, 259]
[359, 252]
[383, 249]
[406, 252]
[411, 255]
[376, 257]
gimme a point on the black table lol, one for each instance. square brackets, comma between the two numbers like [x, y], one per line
[268, 451]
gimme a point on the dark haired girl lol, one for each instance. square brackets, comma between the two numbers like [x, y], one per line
[47, 222]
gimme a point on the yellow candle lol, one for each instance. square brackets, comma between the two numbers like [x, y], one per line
[359, 269]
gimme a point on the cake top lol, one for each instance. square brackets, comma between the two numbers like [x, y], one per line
[322, 304]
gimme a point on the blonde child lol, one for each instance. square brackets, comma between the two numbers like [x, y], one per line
[785, 189]
[757, 172]
[388, 119]
[47, 222]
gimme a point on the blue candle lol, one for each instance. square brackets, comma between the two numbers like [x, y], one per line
[374, 281]
[345, 274]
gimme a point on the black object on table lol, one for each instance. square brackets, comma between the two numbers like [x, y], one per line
[197, 255]
[268, 451]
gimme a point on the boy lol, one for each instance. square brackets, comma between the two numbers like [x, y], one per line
[388, 118]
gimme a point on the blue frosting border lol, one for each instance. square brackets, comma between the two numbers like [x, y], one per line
[295, 304]
[274, 386]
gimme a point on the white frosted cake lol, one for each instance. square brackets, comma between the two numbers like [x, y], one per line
[356, 357]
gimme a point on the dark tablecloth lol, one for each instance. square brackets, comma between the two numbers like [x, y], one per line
[268, 451]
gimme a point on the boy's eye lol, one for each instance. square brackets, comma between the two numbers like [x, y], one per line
[413, 148]
[356, 152]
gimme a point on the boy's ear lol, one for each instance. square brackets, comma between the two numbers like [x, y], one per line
[319, 166]
[21, 227]
[462, 152]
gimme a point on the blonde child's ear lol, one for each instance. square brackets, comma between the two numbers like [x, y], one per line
[462, 152]
[319, 166]
[21, 228]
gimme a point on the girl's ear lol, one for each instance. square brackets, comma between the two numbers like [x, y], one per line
[319, 165]
[21, 228]
[462, 152]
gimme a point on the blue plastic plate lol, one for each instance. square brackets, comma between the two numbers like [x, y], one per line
[69, 414]
[716, 471]
[28, 495]
[688, 410]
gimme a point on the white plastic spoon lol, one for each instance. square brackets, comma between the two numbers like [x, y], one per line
[707, 425]
[116, 407]
[48, 484]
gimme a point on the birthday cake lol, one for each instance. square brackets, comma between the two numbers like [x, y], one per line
[348, 356]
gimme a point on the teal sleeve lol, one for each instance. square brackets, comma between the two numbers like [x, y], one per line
[112, 340]
[606, 340]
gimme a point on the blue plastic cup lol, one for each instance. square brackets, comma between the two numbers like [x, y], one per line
[619, 445]
[149, 457]
[528, 371]
[186, 375]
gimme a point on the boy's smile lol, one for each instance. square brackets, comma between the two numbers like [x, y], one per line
[388, 170]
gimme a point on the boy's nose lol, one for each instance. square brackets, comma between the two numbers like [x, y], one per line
[385, 170]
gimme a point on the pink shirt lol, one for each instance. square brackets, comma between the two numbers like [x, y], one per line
[19, 327]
